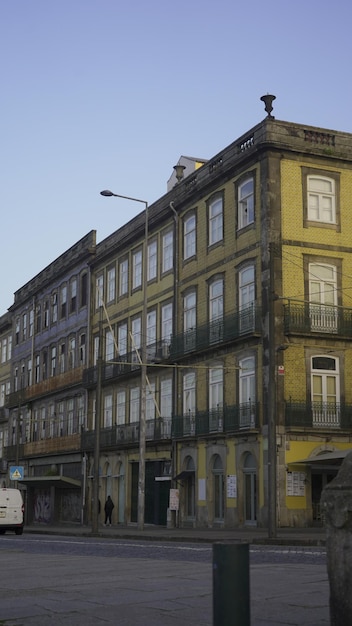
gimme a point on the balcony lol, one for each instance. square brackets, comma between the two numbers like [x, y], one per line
[125, 364]
[307, 318]
[127, 434]
[324, 415]
[221, 331]
[45, 387]
[229, 419]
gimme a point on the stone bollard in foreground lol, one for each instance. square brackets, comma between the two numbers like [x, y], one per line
[336, 505]
[231, 596]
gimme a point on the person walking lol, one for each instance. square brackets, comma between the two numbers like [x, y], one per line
[108, 508]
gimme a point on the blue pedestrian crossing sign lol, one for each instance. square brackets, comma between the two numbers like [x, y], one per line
[16, 472]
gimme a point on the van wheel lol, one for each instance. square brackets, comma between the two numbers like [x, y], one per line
[19, 531]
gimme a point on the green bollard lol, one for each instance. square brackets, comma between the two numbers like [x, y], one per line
[231, 602]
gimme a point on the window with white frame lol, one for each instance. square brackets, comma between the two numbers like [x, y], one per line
[323, 297]
[99, 293]
[189, 319]
[108, 411]
[53, 361]
[152, 260]
[73, 295]
[246, 297]
[247, 394]
[136, 269]
[168, 251]
[123, 277]
[246, 203]
[109, 346]
[111, 286]
[46, 314]
[216, 309]
[70, 417]
[216, 225]
[72, 352]
[166, 397]
[321, 199]
[82, 349]
[81, 412]
[150, 401]
[189, 237]
[136, 328]
[189, 393]
[216, 390]
[24, 326]
[122, 338]
[31, 322]
[325, 385]
[96, 350]
[29, 372]
[9, 348]
[121, 406]
[4, 350]
[2, 394]
[52, 422]
[166, 323]
[62, 357]
[134, 404]
[63, 302]
[151, 334]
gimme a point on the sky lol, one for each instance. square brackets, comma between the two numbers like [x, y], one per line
[108, 94]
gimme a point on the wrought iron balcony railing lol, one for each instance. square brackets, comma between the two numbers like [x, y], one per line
[318, 415]
[305, 317]
[223, 420]
[121, 434]
[220, 331]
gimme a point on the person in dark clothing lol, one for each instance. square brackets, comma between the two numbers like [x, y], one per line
[108, 508]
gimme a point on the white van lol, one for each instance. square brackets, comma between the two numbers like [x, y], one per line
[11, 511]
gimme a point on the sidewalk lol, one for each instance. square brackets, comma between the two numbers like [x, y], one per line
[284, 536]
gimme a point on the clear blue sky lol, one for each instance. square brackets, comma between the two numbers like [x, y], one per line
[109, 93]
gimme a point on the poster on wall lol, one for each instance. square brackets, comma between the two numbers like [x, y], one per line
[232, 486]
[295, 483]
[174, 500]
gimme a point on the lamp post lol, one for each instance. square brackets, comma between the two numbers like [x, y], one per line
[143, 403]
[95, 516]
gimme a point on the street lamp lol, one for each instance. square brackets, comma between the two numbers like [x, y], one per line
[143, 405]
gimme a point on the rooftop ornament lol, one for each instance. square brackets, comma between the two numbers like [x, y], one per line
[268, 101]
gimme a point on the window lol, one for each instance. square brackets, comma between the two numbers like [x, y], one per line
[189, 237]
[54, 308]
[189, 403]
[111, 284]
[166, 323]
[84, 289]
[4, 350]
[72, 353]
[218, 488]
[123, 282]
[62, 358]
[82, 349]
[168, 251]
[38, 318]
[152, 260]
[37, 368]
[73, 295]
[136, 269]
[109, 346]
[99, 294]
[247, 392]
[70, 417]
[189, 320]
[246, 297]
[216, 310]
[29, 372]
[151, 334]
[321, 199]
[53, 361]
[216, 400]
[63, 302]
[134, 405]
[96, 350]
[325, 385]
[108, 411]
[81, 412]
[24, 326]
[150, 401]
[122, 339]
[166, 397]
[215, 221]
[121, 407]
[46, 314]
[323, 297]
[246, 203]
[136, 338]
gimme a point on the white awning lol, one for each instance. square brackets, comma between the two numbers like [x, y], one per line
[324, 457]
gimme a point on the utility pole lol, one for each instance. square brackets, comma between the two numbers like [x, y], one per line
[95, 512]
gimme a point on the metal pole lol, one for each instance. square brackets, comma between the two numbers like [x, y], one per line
[231, 590]
[143, 408]
[95, 516]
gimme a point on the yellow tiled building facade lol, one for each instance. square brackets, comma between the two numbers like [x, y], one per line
[246, 282]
